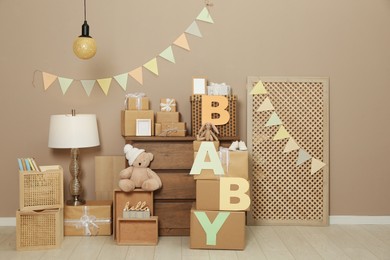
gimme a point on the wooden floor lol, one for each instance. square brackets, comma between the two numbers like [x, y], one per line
[263, 242]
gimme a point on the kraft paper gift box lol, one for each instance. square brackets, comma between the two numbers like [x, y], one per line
[129, 119]
[230, 235]
[136, 101]
[167, 117]
[234, 164]
[211, 196]
[92, 219]
[170, 129]
[168, 105]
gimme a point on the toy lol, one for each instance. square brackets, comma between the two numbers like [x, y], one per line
[138, 174]
[206, 133]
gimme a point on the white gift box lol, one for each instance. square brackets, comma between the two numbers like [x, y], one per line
[218, 89]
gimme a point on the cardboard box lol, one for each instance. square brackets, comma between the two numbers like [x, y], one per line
[39, 230]
[137, 103]
[137, 231]
[121, 198]
[234, 164]
[167, 105]
[208, 196]
[170, 129]
[129, 118]
[167, 117]
[196, 145]
[92, 219]
[231, 235]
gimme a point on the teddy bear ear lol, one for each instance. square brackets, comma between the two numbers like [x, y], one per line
[151, 156]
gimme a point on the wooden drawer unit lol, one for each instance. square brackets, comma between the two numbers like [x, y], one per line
[173, 159]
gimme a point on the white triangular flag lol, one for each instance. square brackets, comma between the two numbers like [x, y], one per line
[266, 105]
[316, 165]
[291, 145]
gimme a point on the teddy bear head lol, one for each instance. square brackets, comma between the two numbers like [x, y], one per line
[137, 157]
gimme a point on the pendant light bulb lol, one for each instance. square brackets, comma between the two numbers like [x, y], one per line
[84, 46]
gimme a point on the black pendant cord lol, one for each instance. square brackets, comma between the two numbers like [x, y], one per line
[85, 10]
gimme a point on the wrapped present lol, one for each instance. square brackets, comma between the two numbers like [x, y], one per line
[234, 164]
[136, 101]
[92, 219]
[170, 129]
[167, 117]
[168, 105]
[218, 89]
[129, 121]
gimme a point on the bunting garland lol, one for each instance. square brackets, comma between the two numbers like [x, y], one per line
[137, 73]
[282, 133]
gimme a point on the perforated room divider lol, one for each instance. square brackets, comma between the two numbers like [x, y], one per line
[288, 141]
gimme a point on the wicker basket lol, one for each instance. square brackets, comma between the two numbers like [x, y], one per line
[226, 130]
[36, 230]
[41, 190]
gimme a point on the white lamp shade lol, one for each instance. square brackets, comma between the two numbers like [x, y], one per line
[79, 131]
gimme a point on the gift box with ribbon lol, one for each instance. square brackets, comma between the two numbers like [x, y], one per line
[168, 104]
[218, 89]
[92, 219]
[170, 129]
[136, 101]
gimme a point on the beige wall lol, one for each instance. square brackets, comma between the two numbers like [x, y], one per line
[347, 41]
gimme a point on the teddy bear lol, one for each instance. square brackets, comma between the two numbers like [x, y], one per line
[138, 174]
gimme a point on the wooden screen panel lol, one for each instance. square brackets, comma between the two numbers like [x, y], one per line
[282, 191]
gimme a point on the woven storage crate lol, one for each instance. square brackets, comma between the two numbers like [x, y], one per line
[41, 190]
[227, 130]
[39, 229]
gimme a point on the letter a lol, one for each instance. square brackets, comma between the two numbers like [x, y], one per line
[211, 229]
[208, 110]
[225, 193]
[207, 148]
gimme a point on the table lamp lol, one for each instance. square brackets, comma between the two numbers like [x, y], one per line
[74, 132]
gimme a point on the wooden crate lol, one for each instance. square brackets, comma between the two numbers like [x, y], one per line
[121, 198]
[41, 190]
[38, 230]
[226, 130]
[137, 231]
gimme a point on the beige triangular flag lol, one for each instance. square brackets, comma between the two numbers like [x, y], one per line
[182, 42]
[266, 105]
[137, 75]
[281, 134]
[259, 89]
[316, 165]
[152, 66]
[48, 79]
[291, 145]
[105, 84]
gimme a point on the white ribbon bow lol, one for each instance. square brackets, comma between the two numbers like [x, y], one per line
[167, 106]
[138, 96]
[224, 157]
